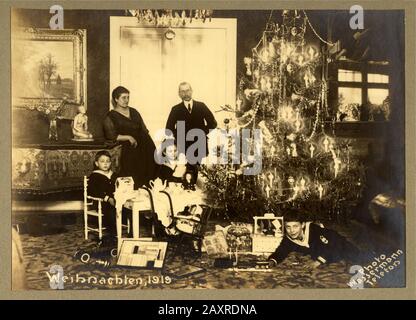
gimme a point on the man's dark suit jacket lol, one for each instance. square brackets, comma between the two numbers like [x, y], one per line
[200, 118]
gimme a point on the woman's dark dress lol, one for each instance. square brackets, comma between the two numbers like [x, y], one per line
[136, 162]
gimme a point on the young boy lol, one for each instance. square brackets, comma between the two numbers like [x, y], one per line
[324, 245]
[101, 184]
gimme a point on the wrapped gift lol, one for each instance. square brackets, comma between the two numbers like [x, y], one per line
[238, 236]
[215, 243]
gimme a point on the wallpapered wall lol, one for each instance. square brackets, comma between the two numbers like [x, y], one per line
[30, 127]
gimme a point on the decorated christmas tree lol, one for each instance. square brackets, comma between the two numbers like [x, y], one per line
[284, 95]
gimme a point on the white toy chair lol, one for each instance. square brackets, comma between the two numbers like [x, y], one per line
[95, 212]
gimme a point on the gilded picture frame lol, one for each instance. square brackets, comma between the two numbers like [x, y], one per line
[49, 67]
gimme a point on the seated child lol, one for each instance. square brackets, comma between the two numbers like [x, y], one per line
[173, 167]
[101, 184]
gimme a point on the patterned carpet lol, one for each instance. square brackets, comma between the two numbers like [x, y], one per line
[42, 252]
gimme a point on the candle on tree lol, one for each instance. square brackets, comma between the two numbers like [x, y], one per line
[337, 164]
[321, 191]
[268, 192]
[326, 144]
[238, 104]
[311, 149]
[297, 125]
[302, 183]
[296, 190]
[271, 177]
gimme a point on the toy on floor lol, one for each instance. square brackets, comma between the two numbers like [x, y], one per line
[99, 255]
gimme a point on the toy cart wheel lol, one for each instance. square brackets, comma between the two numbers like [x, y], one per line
[113, 252]
[85, 257]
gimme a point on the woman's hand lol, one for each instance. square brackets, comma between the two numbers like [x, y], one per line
[133, 142]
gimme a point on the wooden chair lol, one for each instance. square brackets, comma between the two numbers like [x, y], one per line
[95, 211]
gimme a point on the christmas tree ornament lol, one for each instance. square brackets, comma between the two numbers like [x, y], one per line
[294, 150]
[326, 144]
[294, 31]
[301, 60]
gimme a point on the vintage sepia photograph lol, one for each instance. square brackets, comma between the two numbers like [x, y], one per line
[208, 149]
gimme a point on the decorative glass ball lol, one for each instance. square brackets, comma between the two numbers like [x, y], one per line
[294, 31]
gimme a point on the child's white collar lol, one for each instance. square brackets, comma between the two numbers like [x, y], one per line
[305, 241]
[107, 174]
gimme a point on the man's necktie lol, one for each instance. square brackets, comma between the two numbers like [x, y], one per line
[189, 107]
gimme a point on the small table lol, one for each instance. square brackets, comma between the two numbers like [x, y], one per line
[167, 203]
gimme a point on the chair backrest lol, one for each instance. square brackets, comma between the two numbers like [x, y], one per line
[172, 213]
[200, 228]
[85, 191]
[89, 200]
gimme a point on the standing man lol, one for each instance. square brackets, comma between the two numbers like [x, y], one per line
[193, 115]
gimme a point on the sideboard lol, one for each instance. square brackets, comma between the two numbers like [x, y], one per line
[52, 167]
